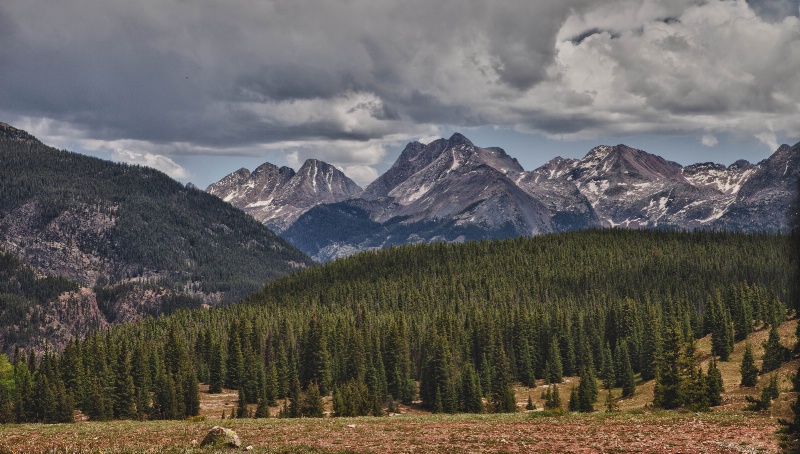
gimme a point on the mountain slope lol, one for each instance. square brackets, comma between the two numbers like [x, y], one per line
[768, 195]
[98, 222]
[278, 196]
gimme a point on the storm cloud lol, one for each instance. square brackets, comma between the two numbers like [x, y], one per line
[341, 80]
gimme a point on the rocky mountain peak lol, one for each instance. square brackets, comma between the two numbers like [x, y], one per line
[741, 164]
[319, 177]
[277, 196]
[458, 139]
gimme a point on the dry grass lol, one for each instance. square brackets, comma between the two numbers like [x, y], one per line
[623, 432]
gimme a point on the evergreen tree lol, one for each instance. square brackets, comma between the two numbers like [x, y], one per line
[714, 385]
[124, 388]
[469, 398]
[437, 386]
[191, 390]
[775, 354]
[241, 405]
[312, 406]
[625, 373]
[667, 392]
[552, 399]
[719, 321]
[234, 368]
[608, 375]
[315, 362]
[587, 391]
[748, 368]
[216, 369]
[573, 404]
[554, 370]
[742, 314]
[141, 382]
[530, 405]
[611, 403]
[165, 398]
[769, 393]
[503, 400]
[651, 344]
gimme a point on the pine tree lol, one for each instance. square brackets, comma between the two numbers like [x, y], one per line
[234, 368]
[775, 354]
[554, 370]
[141, 382]
[651, 345]
[165, 398]
[469, 398]
[719, 321]
[315, 361]
[312, 406]
[714, 385]
[124, 388]
[611, 403]
[608, 375]
[503, 400]
[530, 405]
[769, 393]
[667, 392]
[216, 369]
[748, 369]
[241, 405]
[573, 404]
[191, 390]
[626, 377]
[552, 399]
[587, 390]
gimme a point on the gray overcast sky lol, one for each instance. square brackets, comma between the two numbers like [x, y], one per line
[200, 88]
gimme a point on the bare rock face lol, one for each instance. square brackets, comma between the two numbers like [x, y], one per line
[70, 245]
[452, 190]
[278, 196]
[221, 437]
[767, 196]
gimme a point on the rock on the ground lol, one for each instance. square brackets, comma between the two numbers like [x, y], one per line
[220, 437]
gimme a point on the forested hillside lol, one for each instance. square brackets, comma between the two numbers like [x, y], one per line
[99, 222]
[445, 323]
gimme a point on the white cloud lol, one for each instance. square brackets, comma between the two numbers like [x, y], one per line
[363, 175]
[769, 139]
[157, 162]
[709, 140]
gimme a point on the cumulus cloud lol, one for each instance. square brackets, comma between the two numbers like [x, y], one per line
[341, 81]
[155, 161]
[709, 140]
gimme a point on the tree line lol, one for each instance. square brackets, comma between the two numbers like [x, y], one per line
[455, 326]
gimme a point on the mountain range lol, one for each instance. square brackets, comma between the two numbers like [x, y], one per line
[451, 190]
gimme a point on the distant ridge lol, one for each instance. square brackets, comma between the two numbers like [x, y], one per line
[452, 190]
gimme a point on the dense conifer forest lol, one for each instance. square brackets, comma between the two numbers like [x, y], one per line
[454, 325]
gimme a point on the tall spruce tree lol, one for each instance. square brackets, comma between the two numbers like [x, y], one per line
[554, 370]
[748, 369]
[775, 354]
[667, 393]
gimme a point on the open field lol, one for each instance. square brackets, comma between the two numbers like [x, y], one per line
[521, 432]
